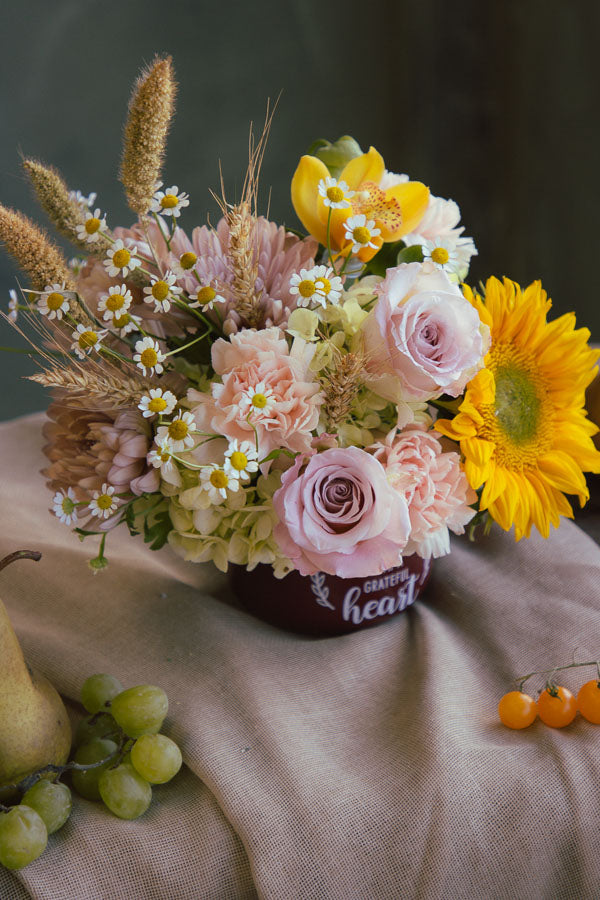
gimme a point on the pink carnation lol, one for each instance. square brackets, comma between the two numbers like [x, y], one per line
[249, 359]
[433, 484]
[340, 515]
[424, 333]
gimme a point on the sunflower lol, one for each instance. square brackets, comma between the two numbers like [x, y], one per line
[522, 425]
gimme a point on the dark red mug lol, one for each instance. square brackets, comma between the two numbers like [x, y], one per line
[325, 605]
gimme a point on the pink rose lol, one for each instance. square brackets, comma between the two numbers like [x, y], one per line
[339, 515]
[424, 333]
[433, 484]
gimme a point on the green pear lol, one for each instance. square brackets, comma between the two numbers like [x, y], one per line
[34, 725]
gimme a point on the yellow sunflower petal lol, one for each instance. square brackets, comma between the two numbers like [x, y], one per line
[563, 473]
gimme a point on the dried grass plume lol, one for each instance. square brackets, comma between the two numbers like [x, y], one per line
[33, 251]
[150, 111]
[53, 196]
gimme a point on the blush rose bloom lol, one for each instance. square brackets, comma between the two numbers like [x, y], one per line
[433, 484]
[423, 338]
[340, 515]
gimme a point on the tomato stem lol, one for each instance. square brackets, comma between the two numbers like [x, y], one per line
[523, 678]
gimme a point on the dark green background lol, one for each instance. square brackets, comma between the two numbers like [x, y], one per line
[493, 104]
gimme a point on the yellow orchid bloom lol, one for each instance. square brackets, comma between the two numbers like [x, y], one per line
[396, 211]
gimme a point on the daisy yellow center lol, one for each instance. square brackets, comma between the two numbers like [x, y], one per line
[361, 234]
[121, 258]
[87, 339]
[335, 194]
[306, 288]
[148, 357]
[259, 401]
[239, 460]
[160, 290]
[157, 404]
[206, 294]
[440, 256]
[165, 456]
[67, 506]
[115, 302]
[55, 300]
[121, 321]
[218, 479]
[324, 285]
[178, 430]
[104, 501]
[169, 201]
[92, 225]
[188, 260]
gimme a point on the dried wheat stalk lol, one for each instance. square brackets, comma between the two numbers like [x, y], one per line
[342, 386]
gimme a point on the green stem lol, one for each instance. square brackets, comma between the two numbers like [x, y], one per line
[191, 343]
[522, 679]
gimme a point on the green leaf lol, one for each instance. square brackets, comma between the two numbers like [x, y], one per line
[384, 259]
[410, 254]
[337, 154]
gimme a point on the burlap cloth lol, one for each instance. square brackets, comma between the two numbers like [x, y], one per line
[366, 766]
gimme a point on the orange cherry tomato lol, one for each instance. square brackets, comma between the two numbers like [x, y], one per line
[588, 701]
[557, 711]
[517, 710]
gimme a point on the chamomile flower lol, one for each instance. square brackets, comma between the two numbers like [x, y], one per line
[241, 459]
[81, 199]
[161, 291]
[257, 400]
[64, 506]
[442, 253]
[179, 433]
[217, 481]
[157, 401]
[328, 284]
[335, 193]
[13, 306]
[305, 285]
[115, 303]
[52, 302]
[162, 458]
[169, 202]
[361, 232]
[185, 264]
[103, 504]
[126, 322]
[76, 264]
[93, 226]
[148, 356]
[121, 260]
[206, 297]
[86, 340]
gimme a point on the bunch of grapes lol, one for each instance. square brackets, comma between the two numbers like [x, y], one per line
[119, 755]
[556, 705]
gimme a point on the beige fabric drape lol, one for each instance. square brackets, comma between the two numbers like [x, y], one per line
[366, 766]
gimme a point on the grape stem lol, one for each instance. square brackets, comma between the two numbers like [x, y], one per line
[523, 678]
[32, 779]
[35, 555]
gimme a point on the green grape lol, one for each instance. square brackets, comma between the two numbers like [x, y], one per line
[140, 710]
[23, 837]
[156, 757]
[100, 725]
[97, 690]
[86, 783]
[125, 792]
[51, 801]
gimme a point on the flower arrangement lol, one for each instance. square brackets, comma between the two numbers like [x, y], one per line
[327, 401]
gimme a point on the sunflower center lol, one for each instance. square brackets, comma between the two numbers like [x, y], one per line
[517, 405]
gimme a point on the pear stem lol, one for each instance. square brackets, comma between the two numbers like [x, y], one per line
[35, 555]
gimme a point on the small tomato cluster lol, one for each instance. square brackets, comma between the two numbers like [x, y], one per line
[556, 706]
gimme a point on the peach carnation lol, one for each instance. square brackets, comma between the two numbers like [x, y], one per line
[261, 361]
[433, 484]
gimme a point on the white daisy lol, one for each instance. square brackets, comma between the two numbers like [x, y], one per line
[76, 264]
[328, 284]
[86, 340]
[149, 356]
[442, 253]
[13, 306]
[305, 286]
[64, 506]
[258, 400]
[81, 199]
[126, 322]
[93, 226]
[103, 504]
[52, 302]
[206, 297]
[217, 482]
[185, 264]
[121, 260]
[179, 433]
[169, 202]
[162, 459]
[241, 459]
[161, 290]
[115, 303]
[334, 193]
[157, 401]
[361, 232]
